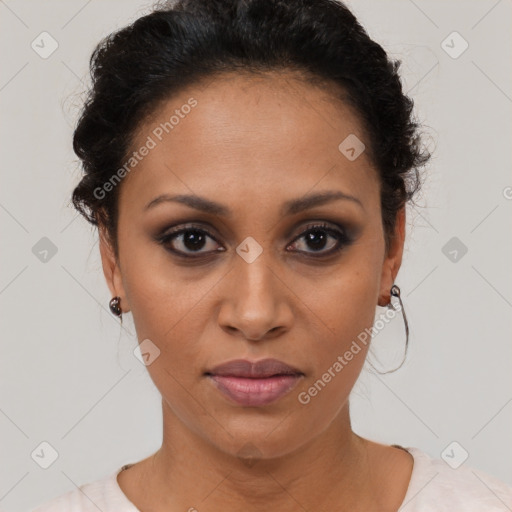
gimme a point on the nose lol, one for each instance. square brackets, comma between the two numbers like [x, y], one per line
[256, 301]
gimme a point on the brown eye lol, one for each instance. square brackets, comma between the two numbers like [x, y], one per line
[322, 239]
[189, 240]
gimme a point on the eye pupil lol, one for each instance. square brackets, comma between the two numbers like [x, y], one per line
[317, 239]
[193, 239]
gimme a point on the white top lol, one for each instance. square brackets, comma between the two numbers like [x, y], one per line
[434, 487]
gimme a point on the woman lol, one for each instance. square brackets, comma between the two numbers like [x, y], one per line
[248, 164]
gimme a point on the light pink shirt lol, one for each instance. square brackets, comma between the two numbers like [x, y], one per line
[434, 487]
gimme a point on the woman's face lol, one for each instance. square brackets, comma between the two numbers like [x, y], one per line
[248, 280]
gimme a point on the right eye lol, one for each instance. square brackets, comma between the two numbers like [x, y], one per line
[188, 240]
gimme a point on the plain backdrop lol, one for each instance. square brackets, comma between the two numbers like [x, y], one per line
[68, 372]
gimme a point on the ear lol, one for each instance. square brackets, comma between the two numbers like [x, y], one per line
[393, 259]
[111, 269]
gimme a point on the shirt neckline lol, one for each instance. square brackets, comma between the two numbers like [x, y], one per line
[419, 466]
[119, 493]
[422, 473]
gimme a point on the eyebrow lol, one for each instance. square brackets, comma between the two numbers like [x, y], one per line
[290, 207]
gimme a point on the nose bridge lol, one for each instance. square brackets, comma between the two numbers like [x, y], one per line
[254, 303]
[254, 278]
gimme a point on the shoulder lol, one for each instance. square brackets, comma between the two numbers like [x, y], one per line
[435, 484]
[103, 494]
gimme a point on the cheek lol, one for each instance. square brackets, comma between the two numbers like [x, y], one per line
[160, 298]
[345, 306]
[339, 354]
[172, 316]
[346, 300]
[171, 310]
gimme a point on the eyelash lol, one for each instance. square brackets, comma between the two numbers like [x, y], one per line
[341, 236]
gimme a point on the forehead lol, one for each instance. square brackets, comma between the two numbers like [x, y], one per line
[267, 133]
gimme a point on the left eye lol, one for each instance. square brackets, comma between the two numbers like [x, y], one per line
[316, 237]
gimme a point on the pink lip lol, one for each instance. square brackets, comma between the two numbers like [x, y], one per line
[255, 392]
[254, 383]
[256, 369]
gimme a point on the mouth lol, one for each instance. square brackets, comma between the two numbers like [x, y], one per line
[254, 384]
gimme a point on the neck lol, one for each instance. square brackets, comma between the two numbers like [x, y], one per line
[189, 471]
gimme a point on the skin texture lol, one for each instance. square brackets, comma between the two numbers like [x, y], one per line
[252, 143]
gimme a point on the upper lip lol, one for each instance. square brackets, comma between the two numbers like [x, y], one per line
[258, 369]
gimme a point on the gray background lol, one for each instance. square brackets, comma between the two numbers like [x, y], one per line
[68, 373]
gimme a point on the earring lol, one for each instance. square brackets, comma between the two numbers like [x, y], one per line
[115, 306]
[395, 292]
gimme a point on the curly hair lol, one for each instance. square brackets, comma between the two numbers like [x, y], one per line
[182, 42]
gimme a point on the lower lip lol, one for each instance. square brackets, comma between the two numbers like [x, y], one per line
[255, 392]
